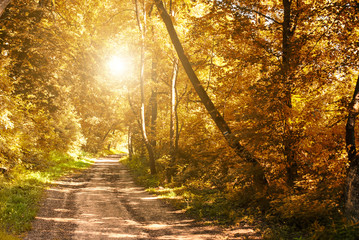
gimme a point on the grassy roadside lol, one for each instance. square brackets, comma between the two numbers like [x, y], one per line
[199, 201]
[22, 188]
[196, 199]
[213, 206]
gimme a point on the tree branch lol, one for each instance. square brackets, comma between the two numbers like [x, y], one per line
[259, 13]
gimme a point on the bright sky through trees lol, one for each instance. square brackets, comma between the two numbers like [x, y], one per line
[118, 65]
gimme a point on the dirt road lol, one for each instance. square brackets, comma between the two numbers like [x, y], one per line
[104, 203]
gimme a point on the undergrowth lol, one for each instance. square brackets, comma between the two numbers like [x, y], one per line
[227, 207]
[140, 170]
[22, 187]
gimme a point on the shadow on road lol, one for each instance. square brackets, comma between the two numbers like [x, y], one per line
[104, 203]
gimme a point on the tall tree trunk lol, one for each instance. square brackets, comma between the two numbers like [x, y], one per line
[154, 113]
[352, 184]
[206, 101]
[153, 98]
[129, 143]
[147, 143]
[173, 123]
[288, 136]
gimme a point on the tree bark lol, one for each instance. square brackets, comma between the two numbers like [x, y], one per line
[3, 5]
[352, 184]
[129, 143]
[154, 113]
[288, 135]
[148, 145]
[154, 94]
[206, 101]
[173, 123]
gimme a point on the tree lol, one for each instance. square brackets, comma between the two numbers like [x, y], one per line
[36, 94]
[352, 185]
[52, 68]
[173, 123]
[212, 110]
[142, 28]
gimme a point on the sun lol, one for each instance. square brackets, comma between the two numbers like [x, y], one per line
[117, 65]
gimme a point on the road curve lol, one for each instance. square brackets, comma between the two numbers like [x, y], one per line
[104, 203]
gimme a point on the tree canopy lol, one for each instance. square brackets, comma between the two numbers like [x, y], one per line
[262, 91]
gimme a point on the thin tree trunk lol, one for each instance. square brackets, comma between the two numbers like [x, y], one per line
[108, 132]
[212, 110]
[129, 143]
[154, 113]
[288, 136]
[147, 143]
[352, 185]
[153, 98]
[173, 123]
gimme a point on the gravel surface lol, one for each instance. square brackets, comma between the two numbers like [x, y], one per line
[104, 203]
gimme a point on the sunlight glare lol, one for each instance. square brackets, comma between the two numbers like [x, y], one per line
[117, 65]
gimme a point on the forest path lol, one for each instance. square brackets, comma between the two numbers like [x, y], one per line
[104, 203]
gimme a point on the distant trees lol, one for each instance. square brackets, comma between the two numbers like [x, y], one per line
[51, 98]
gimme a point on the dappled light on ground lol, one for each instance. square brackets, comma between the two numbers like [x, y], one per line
[104, 203]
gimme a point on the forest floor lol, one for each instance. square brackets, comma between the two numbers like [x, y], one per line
[103, 202]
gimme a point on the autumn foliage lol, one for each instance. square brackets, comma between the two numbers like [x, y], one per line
[280, 73]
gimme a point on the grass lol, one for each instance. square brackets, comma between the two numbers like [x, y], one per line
[5, 236]
[199, 201]
[140, 170]
[211, 205]
[22, 189]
